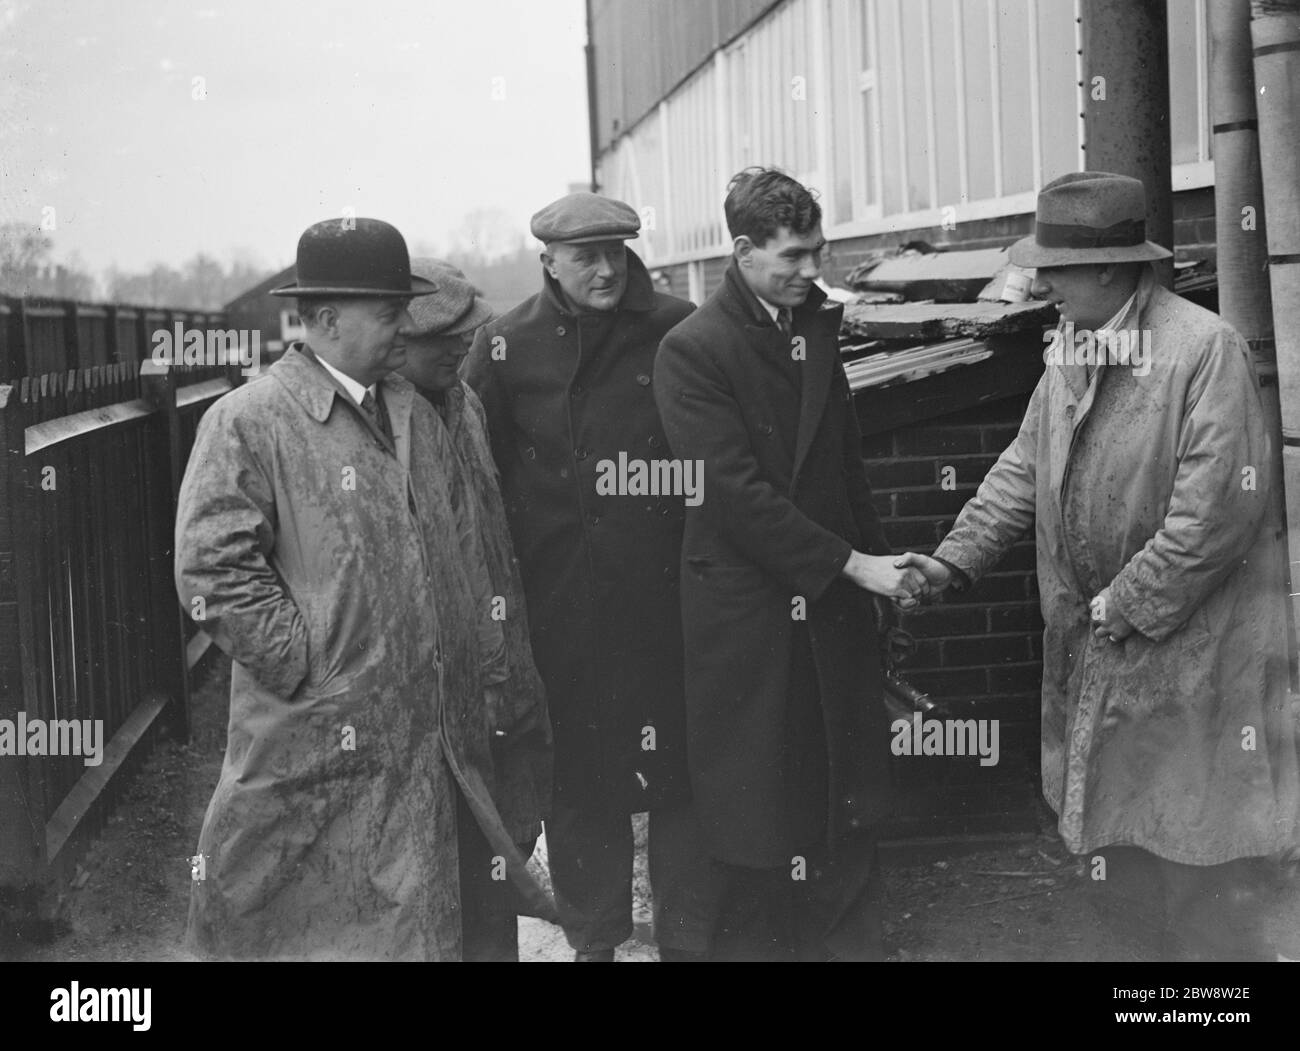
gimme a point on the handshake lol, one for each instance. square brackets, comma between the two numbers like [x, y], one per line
[907, 579]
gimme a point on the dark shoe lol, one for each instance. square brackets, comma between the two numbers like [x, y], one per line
[667, 955]
[594, 956]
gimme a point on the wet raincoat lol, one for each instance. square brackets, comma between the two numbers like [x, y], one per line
[1161, 486]
[521, 760]
[331, 566]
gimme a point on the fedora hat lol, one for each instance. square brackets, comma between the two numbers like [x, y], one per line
[456, 307]
[1089, 217]
[354, 257]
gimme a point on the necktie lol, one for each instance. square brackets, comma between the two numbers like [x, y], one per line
[374, 408]
[785, 322]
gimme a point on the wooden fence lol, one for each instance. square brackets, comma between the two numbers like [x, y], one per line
[39, 336]
[90, 627]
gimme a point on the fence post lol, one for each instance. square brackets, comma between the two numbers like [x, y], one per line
[158, 386]
[22, 825]
[17, 363]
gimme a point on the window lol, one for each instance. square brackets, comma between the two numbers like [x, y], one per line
[903, 113]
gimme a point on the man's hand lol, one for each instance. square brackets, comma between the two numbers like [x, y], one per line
[1109, 622]
[936, 575]
[879, 575]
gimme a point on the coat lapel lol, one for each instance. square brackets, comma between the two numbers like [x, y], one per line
[819, 326]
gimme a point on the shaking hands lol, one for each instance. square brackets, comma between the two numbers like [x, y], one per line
[907, 579]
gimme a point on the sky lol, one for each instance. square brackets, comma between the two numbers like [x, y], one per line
[414, 111]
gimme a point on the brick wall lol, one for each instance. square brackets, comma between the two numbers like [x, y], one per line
[978, 654]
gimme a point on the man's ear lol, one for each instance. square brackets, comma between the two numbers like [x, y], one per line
[742, 247]
[1106, 273]
[548, 261]
[327, 320]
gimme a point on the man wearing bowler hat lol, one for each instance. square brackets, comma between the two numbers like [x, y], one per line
[1146, 469]
[565, 382]
[322, 544]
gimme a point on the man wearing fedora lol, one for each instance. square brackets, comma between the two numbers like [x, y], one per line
[317, 524]
[516, 735]
[565, 383]
[1168, 749]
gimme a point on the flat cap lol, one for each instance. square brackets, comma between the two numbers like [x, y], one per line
[456, 307]
[583, 217]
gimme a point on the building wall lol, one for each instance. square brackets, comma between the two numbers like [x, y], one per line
[1193, 239]
[644, 50]
[905, 115]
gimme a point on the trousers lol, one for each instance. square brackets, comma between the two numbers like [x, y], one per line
[591, 852]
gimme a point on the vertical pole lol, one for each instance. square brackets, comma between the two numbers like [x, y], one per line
[1126, 105]
[1275, 36]
[22, 818]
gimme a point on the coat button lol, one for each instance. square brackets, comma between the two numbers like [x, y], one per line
[654, 441]
[766, 428]
[580, 454]
[1069, 410]
[576, 392]
[643, 379]
[559, 330]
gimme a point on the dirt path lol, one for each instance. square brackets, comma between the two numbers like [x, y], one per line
[1024, 899]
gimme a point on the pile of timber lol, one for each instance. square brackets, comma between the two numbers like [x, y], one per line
[918, 312]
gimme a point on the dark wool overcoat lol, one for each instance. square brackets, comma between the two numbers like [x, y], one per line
[564, 396]
[785, 501]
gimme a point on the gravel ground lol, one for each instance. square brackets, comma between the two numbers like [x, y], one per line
[1022, 898]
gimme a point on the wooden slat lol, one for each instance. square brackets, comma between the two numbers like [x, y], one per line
[92, 422]
[87, 789]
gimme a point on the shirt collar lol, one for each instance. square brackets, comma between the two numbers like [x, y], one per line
[772, 311]
[355, 390]
[1114, 322]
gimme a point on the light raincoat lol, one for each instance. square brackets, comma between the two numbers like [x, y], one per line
[522, 759]
[1161, 486]
[331, 566]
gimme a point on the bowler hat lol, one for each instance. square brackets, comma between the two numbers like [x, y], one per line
[1089, 217]
[580, 217]
[354, 257]
[455, 308]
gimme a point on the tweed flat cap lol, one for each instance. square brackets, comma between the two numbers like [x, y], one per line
[456, 307]
[583, 217]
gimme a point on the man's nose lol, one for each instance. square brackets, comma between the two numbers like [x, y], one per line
[1040, 286]
[812, 268]
[405, 323]
[606, 267]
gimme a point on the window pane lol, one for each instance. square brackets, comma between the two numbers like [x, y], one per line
[1017, 142]
[918, 117]
[943, 35]
[1058, 113]
[894, 166]
[979, 107]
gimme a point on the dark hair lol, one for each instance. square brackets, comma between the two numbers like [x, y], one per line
[762, 200]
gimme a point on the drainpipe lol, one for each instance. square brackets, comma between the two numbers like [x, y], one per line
[1126, 104]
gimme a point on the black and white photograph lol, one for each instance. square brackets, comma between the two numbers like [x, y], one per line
[686, 481]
